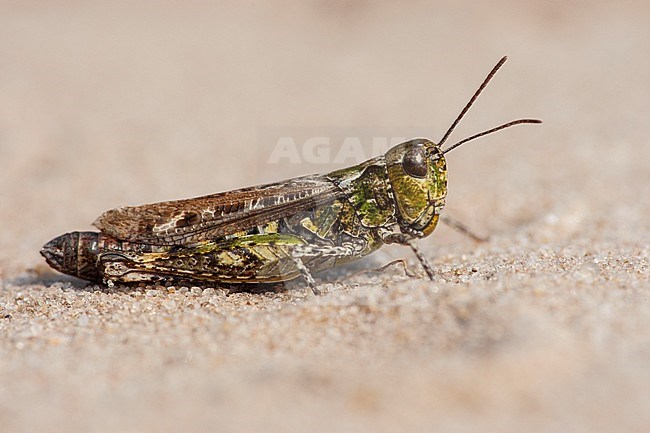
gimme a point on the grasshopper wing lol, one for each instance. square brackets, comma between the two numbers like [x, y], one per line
[186, 222]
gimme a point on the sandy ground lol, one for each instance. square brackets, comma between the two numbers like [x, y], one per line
[544, 328]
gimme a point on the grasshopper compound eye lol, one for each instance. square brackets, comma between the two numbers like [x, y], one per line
[415, 162]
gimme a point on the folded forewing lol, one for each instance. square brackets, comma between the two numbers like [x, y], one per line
[184, 222]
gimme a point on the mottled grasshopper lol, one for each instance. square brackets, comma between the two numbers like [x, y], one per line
[273, 232]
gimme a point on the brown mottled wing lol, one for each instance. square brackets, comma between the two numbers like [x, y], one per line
[184, 222]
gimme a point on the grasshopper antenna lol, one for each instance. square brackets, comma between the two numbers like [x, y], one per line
[471, 102]
[490, 131]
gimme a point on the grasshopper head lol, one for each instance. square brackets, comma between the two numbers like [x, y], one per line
[417, 171]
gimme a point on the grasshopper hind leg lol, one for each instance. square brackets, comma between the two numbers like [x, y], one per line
[115, 268]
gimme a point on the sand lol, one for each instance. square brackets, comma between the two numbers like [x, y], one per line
[543, 328]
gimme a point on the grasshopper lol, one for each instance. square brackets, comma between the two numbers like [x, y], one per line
[274, 232]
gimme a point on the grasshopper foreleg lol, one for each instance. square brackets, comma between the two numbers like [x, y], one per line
[406, 239]
[463, 229]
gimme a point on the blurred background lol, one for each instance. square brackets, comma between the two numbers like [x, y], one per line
[104, 104]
